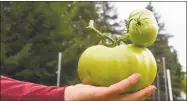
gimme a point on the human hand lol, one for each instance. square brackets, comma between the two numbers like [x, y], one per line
[87, 92]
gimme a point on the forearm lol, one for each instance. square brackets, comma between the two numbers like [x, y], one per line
[14, 90]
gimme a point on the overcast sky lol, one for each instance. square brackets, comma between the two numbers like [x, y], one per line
[173, 14]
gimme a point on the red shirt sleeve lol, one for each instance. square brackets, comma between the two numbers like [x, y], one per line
[14, 90]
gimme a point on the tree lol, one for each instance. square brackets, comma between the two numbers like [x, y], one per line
[108, 18]
[34, 33]
[31, 36]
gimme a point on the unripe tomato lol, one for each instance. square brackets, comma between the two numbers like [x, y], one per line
[142, 27]
[103, 66]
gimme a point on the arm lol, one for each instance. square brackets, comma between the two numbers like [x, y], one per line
[14, 90]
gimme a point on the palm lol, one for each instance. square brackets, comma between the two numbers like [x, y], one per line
[88, 92]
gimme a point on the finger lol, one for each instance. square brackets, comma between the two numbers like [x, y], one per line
[123, 85]
[148, 95]
[144, 93]
[139, 95]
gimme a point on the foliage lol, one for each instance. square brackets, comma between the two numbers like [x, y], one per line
[108, 18]
[32, 34]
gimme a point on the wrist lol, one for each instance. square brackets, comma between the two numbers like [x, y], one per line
[67, 93]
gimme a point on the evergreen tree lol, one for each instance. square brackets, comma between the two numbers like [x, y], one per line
[108, 18]
[34, 33]
[31, 36]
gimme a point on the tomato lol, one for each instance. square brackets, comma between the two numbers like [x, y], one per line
[100, 65]
[142, 27]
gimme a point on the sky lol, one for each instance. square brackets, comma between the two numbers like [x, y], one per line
[173, 14]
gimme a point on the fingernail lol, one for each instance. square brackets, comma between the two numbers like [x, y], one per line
[152, 89]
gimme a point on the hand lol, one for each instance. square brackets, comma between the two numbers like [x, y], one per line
[87, 92]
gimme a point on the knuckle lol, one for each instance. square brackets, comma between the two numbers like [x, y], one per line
[119, 89]
[143, 95]
[130, 81]
[146, 93]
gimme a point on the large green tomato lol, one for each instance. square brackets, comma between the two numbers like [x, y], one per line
[103, 66]
[142, 27]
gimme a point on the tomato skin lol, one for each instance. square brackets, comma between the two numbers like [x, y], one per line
[144, 32]
[103, 66]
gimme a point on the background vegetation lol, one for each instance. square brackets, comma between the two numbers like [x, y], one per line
[32, 34]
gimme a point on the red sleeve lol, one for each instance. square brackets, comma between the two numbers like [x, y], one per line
[14, 90]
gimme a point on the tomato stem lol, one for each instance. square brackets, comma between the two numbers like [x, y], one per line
[123, 38]
[101, 35]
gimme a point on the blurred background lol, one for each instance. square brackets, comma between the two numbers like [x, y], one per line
[33, 34]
